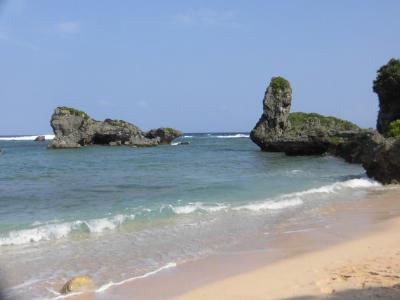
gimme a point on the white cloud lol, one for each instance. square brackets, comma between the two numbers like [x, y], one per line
[207, 19]
[69, 27]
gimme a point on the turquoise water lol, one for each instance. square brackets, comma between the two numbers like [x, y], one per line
[120, 212]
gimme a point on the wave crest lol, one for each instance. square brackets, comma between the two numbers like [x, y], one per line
[232, 136]
[26, 138]
[298, 198]
[198, 206]
[57, 231]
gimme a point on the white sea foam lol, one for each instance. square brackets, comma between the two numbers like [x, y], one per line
[110, 284]
[359, 183]
[24, 284]
[62, 296]
[26, 138]
[298, 198]
[42, 233]
[175, 143]
[197, 206]
[232, 136]
[100, 225]
[57, 231]
[188, 136]
[270, 205]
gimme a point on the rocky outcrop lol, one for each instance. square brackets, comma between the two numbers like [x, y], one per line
[77, 284]
[314, 134]
[74, 128]
[278, 130]
[379, 156]
[40, 138]
[387, 86]
[165, 135]
[276, 107]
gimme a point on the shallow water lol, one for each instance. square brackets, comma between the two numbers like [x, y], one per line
[119, 212]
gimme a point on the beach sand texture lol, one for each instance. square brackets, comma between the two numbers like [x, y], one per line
[364, 268]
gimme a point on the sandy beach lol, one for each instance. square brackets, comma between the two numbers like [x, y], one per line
[367, 267]
[356, 257]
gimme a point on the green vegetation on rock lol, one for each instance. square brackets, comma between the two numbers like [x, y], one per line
[75, 112]
[388, 80]
[394, 128]
[279, 84]
[169, 130]
[298, 120]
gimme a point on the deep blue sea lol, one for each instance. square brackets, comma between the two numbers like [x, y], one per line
[120, 212]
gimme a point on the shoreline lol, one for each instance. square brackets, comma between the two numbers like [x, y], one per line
[235, 275]
[366, 267]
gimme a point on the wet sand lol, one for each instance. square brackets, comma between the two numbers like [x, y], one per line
[354, 253]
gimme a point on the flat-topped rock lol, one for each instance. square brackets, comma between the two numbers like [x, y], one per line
[74, 128]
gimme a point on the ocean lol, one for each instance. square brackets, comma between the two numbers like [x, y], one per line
[120, 213]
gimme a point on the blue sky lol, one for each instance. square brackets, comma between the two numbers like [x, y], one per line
[194, 65]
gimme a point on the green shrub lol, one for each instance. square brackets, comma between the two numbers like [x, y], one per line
[279, 84]
[75, 112]
[169, 130]
[387, 82]
[299, 119]
[394, 128]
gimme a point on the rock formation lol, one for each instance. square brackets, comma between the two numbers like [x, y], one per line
[165, 135]
[276, 107]
[77, 284]
[379, 156]
[296, 133]
[40, 138]
[313, 134]
[387, 86]
[74, 128]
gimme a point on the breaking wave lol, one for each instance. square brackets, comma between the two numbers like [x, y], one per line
[232, 136]
[54, 230]
[61, 230]
[198, 206]
[26, 138]
[298, 198]
[270, 205]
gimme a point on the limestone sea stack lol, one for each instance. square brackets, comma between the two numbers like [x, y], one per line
[165, 135]
[74, 128]
[278, 130]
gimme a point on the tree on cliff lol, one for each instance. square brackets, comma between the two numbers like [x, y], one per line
[387, 86]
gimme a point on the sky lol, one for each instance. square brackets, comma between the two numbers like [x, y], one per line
[199, 66]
